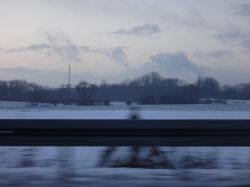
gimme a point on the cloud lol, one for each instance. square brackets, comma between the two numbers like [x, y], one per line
[183, 68]
[221, 54]
[242, 10]
[231, 36]
[41, 46]
[60, 45]
[235, 36]
[52, 78]
[157, 10]
[58, 38]
[34, 47]
[116, 54]
[178, 65]
[144, 30]
[63, 47]
[198, 55]
[194, 19]
[174, 62]
[246, 44]
[86, 49]
[215, 54]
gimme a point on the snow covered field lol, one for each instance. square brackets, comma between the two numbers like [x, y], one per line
[22, 110]
[231, 164]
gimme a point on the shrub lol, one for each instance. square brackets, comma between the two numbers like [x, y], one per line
[172, 99]
[106, 102]
[129, 102]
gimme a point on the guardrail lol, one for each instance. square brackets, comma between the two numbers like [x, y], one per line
[124, 132]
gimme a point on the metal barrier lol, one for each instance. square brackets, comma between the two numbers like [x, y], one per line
[124, 132]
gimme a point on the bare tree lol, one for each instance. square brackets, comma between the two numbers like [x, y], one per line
[208, 87]
[36, 96]
[85, 91]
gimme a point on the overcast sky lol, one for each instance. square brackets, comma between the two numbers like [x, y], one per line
[122, 39]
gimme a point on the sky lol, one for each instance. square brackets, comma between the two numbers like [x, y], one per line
[123, 39]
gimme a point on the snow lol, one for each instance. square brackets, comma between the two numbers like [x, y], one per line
[232, 163]
[22, 110]
[238, 102]
[60, 104]
[117, 103]
[120, 114]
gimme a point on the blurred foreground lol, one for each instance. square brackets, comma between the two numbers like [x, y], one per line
[124, 166]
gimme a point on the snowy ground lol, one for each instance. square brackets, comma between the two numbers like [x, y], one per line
[15, 110]
[232, 164]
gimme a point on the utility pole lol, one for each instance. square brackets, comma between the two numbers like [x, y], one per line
[69, 86]
[69, 75]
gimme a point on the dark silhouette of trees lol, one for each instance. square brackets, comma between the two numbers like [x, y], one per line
[150, 79]
[150, 88]
[190, 93]
[3, 89]
[243, 90]
[229, 92]
[128, 102]
[148, 100]
[172, 99]
[173, 86]
[208, 87]
[106, 102]
[36, 96]
[85, 91]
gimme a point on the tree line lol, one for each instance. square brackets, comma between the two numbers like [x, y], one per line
[151, 88]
